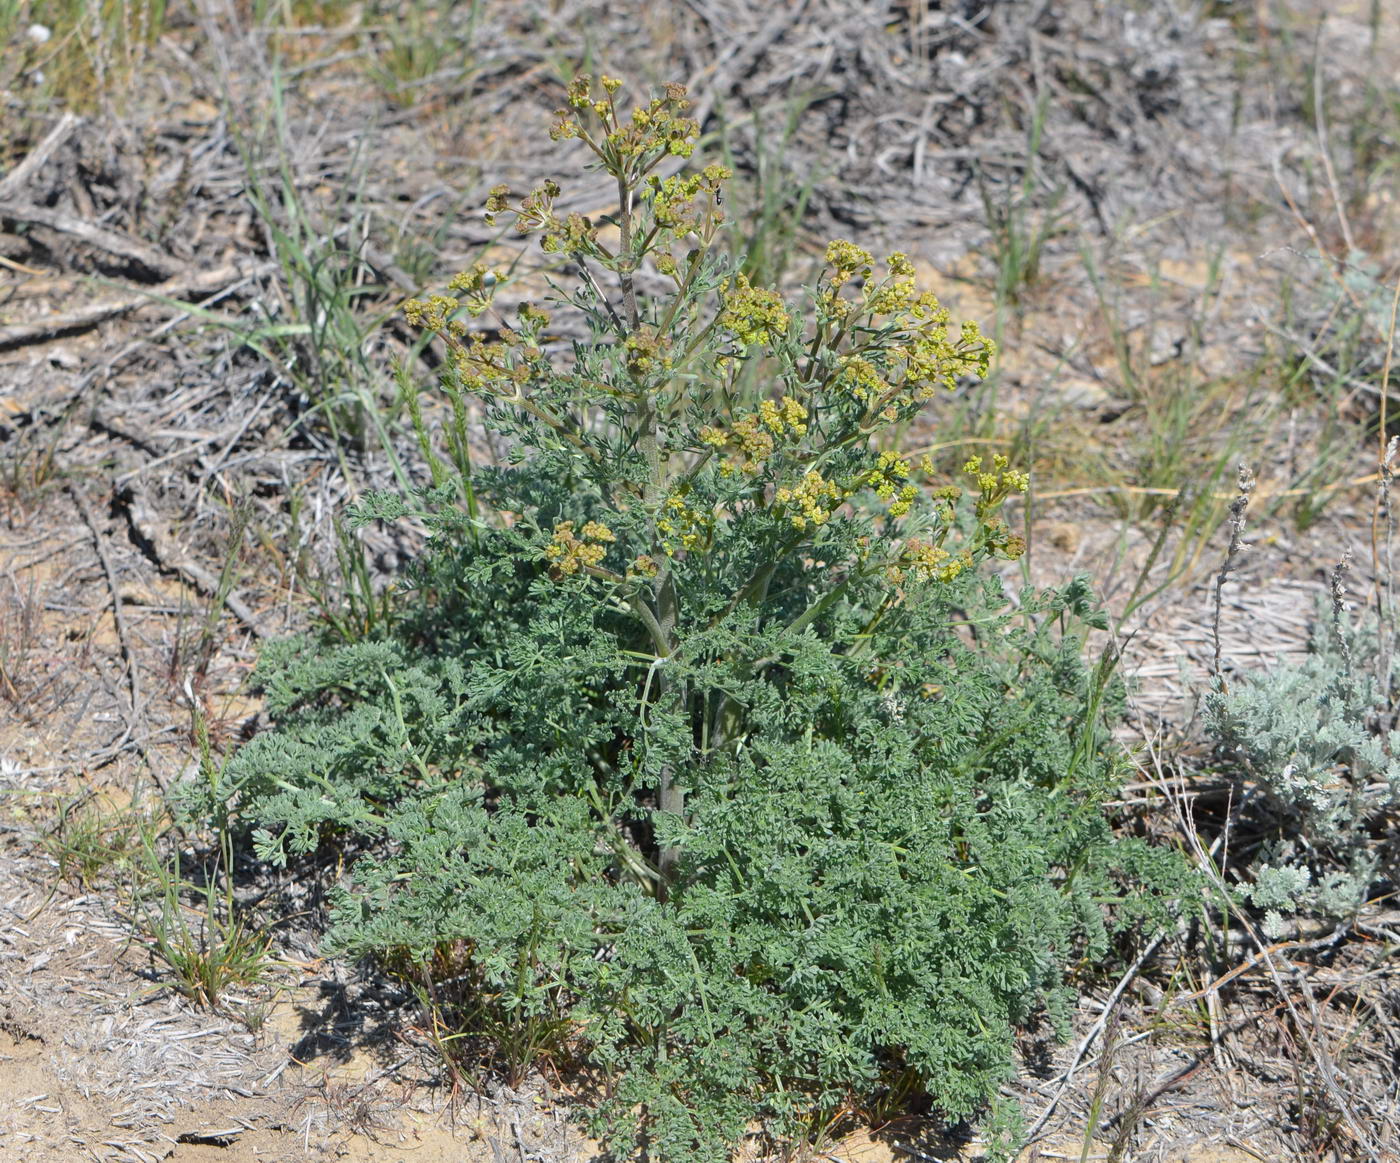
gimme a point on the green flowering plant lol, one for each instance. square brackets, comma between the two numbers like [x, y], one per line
[706, 751]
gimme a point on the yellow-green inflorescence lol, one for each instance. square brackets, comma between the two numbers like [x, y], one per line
[888, 479]
[754, 438]
[922, 354]
[811, 501]
[660, 128]
[996, 485]
[875, 350]
[570, 552]
[681, 527]
[676, 202]
[752, 314]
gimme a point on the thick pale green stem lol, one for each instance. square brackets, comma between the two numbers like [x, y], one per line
[671, 797]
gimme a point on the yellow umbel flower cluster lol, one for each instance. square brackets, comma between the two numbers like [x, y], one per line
[1000, 482]
[787, 413]
[847, 260]
[476, 286]
[657, 128]
[570, 552]
[929, 562]
[897, 294]
[673, 200]
[680, 526]
[861, 378]
[890, 469]
[916, 354]
[752, 438]
[646, 352]
[813, 498]
[435, 314]
[752, 314]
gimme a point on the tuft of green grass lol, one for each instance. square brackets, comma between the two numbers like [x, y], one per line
[81, 52]
[208, 948]
[1021, 223]
[92, 842]
[19, 634]
[200, 931]
[416, 43]
[323, 336]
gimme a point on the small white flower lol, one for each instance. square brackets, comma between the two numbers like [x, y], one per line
[38, 33]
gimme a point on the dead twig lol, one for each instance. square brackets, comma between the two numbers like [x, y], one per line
[16, 179]
[111, 241]
[201, 283]
[169, 557]
[1237, 508]
[118, 617]
[1066, 1076]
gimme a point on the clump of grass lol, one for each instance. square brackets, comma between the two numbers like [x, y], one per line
[82, 52]
[93, 841]
[19, 634]
[208, 949]
[331, 303]
[412, 44]
[1018, 228]
[200, 931]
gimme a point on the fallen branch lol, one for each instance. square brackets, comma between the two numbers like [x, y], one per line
[1066, 1076]
[123, 638]
[202, 283]
[15, 180]
[167, 555]
[111, 241]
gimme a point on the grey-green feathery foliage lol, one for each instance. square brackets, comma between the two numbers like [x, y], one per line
[1318, 742]
[705, 753]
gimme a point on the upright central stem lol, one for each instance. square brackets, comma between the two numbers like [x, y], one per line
[670, 797]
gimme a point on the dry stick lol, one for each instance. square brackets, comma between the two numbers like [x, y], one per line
[1316, 945]
[1237, 508]
[201, 283]
[118, 618]
[14, 181]
[1389, 355]
[1320, 1056]
[1386, 610]
[1336, 588]
[113, 242]
[1385, 579]
[168, 556]
[19, 266]
[1325, 147]
[1322, 365]
[1067, 1075]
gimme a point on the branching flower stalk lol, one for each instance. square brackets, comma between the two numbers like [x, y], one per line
[1383, 564]
[1245, 486]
